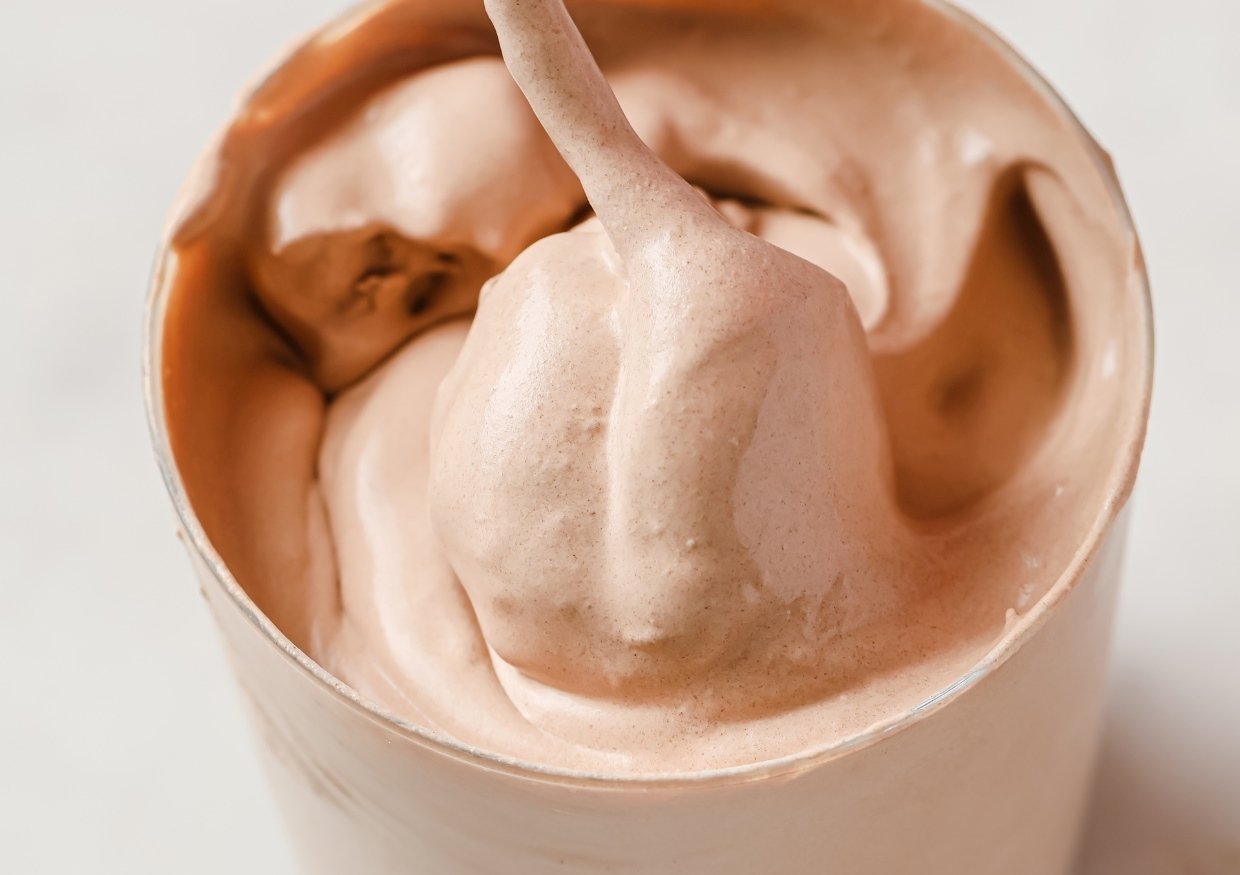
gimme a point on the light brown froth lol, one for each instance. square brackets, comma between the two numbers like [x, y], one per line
[768, 450]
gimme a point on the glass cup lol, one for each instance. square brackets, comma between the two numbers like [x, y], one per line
[988, 776]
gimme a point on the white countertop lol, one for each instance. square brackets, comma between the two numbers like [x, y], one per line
[122, 745]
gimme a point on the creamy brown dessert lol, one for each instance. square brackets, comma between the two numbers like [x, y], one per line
[712, 477]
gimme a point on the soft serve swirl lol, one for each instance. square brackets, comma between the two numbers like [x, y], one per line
[715, 474]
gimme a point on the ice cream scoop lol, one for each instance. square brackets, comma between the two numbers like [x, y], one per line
[659, 464]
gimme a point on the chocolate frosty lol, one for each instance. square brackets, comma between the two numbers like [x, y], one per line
[709, 425]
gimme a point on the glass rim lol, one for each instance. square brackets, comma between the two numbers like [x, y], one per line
[436, 742]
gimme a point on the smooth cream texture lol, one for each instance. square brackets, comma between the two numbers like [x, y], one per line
[919, 478]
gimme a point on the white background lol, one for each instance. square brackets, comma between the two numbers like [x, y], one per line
[122, 746]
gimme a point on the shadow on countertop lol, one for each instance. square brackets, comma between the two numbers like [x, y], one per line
[1159, 806]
